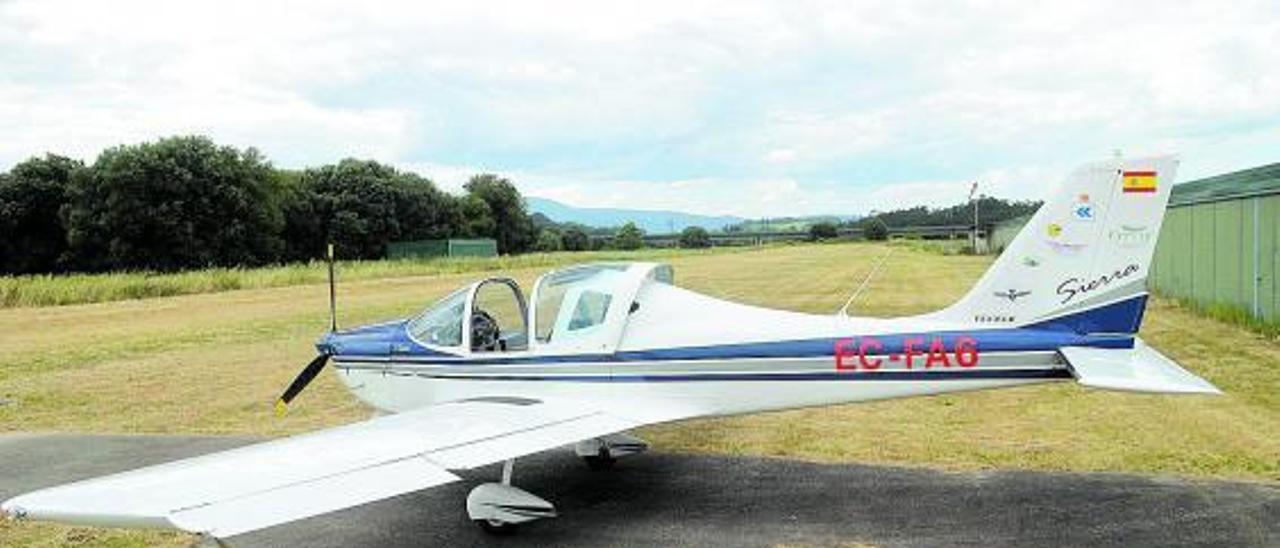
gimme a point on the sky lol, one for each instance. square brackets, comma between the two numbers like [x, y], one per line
[759, 109]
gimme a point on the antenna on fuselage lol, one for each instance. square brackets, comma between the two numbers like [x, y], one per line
[844, 310]
[333, 294]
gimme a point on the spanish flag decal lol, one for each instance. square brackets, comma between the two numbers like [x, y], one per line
[1139, 181]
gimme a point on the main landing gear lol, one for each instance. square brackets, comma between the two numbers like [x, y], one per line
[603, 452]
[499, 508]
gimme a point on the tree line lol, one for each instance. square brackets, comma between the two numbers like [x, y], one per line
[991, 210]
[186, 202]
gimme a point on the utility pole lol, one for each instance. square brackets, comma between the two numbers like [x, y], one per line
[973, 191]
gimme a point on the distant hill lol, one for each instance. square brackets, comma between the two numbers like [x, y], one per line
[789, 224]
[651, 221]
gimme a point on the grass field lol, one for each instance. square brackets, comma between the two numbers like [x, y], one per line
[213, 363]
[50, 290]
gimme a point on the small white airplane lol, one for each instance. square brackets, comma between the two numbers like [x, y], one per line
[480, 377]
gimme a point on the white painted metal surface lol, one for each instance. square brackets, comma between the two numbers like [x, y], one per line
[249, 488]
[1140, 369]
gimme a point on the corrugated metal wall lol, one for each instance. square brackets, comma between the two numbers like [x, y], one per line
[1222, 253]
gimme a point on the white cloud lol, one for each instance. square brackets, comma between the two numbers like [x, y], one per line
[752, 108]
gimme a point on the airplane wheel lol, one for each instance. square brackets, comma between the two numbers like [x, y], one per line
[495, 527]
[601, 461]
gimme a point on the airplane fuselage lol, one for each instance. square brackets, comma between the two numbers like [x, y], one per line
[868, 359]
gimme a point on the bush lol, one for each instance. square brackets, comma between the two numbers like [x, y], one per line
[628, 237]
[695, 237]
[823, 231]
[576, 239]
[876, 230]
[549, 240]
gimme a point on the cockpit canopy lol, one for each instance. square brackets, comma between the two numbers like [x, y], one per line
[575, 309]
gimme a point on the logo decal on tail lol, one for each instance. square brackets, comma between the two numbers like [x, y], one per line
[1072, 287]
[1055, 231]
[1130, 236]
[1012, 294]
[1082, 210]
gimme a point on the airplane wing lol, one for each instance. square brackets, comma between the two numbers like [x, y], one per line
[249, 488]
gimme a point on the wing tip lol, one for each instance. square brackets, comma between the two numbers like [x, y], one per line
[9, 509]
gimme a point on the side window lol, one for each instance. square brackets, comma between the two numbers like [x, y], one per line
[590, 311]
[574, 299]
[441, 325]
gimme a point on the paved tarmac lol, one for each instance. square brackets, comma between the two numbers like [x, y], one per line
[659, 499]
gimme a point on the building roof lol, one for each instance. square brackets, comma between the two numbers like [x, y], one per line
[1258, 181]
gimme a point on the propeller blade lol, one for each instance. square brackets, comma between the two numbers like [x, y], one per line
[304, 378]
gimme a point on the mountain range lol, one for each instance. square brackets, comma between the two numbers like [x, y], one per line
[651, 221]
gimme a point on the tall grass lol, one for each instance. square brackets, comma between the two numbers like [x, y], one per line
[56, 290]
[936, 247]
[1227, 313]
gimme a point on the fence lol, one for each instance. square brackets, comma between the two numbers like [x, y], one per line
[442, 248]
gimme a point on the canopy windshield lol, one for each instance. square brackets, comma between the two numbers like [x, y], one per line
[441, 323]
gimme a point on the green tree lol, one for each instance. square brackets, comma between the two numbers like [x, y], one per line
[876, 229]
[576, 239]
[823, 231]
[628, 237]
[361, 206]
[31, 197]
[180, 202]
[477, 220]
[992, 210]
[695, 237]
[549, 240]
[513, 229]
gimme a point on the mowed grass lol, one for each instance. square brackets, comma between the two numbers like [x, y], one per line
[214, 363]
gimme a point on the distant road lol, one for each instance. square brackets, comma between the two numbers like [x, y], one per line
[661, 499]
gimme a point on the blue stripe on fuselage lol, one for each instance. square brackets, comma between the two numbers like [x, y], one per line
[999, 340]
[896, 375]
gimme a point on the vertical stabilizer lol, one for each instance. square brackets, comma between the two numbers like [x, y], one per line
[1081, 263]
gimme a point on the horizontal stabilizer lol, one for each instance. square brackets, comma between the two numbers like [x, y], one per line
[1137, 369]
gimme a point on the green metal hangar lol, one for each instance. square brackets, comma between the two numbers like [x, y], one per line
[1218, 245]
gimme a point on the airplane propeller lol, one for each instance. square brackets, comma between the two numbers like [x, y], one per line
[304, 378]
[317, 364]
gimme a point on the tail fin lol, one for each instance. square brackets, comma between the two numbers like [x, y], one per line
[1081, 263]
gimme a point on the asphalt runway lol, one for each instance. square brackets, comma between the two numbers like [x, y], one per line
[659, 499]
